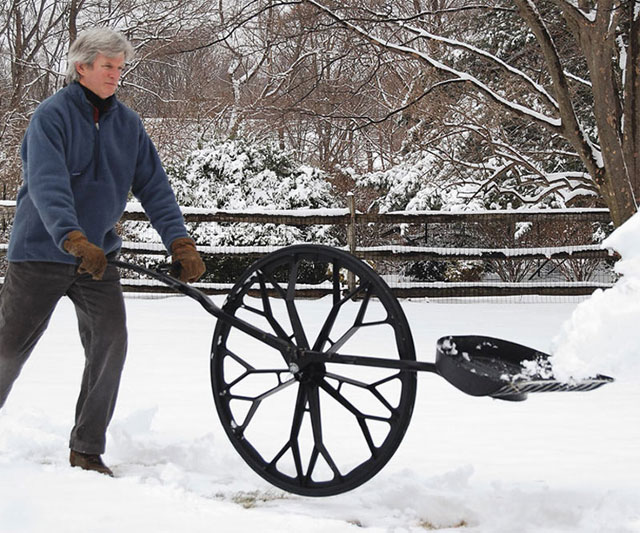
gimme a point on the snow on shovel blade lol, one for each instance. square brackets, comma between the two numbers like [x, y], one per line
[485, 366]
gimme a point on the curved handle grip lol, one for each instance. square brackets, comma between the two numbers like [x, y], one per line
[166, 276]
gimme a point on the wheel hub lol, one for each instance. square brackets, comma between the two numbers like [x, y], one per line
[311, 372]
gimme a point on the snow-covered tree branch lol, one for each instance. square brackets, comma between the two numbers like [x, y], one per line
[596, 41]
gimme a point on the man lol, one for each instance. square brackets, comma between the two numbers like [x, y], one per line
[82, 153]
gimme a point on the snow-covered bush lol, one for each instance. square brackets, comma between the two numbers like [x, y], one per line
[245, 176]
[416, 184]
[422, 181]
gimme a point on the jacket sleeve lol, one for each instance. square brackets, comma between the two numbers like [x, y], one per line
[47, 176]
[151, 186]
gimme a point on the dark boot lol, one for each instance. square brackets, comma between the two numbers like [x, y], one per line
[88, 461]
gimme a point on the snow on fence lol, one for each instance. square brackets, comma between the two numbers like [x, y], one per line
[570, 266]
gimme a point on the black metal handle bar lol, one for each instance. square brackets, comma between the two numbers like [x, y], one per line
[208, 304]
[311, 356]
[292, 355]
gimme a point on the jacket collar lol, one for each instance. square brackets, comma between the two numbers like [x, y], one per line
[101, 104]
[78, 95]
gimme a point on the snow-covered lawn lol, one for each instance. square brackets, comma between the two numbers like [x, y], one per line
[560, 462]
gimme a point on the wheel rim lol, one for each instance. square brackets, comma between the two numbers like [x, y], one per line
[313, 428]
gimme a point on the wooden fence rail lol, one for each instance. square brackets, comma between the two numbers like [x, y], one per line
[350, 219]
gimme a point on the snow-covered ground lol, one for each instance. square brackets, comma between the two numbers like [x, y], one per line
[555, 463]
[559, 462]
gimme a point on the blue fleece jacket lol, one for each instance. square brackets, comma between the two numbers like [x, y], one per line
[77, 176]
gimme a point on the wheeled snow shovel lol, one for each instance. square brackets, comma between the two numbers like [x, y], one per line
[316, 396]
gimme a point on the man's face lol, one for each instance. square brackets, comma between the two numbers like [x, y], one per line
[101, 77]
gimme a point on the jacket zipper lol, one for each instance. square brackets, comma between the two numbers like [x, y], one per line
[96, 148]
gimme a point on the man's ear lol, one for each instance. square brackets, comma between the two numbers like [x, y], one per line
[81, 68]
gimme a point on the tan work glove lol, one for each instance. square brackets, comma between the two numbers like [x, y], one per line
[183, 251]
[93, 262]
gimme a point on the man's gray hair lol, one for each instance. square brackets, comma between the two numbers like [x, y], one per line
[90, 43]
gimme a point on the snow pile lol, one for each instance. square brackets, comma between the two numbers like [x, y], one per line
[601, 336]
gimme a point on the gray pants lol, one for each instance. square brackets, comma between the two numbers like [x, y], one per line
[28, 297]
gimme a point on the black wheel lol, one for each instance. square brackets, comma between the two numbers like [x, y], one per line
[313, 427]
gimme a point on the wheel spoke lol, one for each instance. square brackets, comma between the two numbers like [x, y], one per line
[289, 298]
[237, 359]
[316, 426]
[296, 425]
[276, 286]
[373, 388]
[349, 406]
[360, 417]
[244, 376]
[298, 329]
[268, 312]
[258, 398]
[336, 290]
[357, 323]
[338, 302]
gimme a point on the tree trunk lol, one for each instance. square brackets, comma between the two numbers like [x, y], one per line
[631, 131]
[616, 176]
